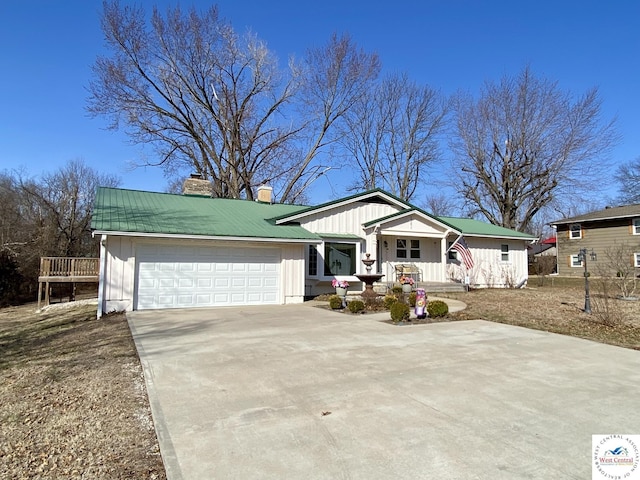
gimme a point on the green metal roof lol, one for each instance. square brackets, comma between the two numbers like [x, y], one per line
[469, 226]
[134, 211]
[346, 236]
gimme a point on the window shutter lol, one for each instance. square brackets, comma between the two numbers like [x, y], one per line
[569, 261]
[631, 226]
[583, 232]
[568, 235]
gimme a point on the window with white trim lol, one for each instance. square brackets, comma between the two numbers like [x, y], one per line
[637, 260]
[453, 254]
[340, 258]
[575, 231]
[313, 261]
[575, 261]
[414, 251]
[504, 252]
[635, 226]
[407, 248]
[401, 248]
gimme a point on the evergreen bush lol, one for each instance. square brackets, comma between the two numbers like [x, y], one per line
[412, 299]
[388, 301]
[400, 312]
[437, 308]
[335, 302]
[356, 306]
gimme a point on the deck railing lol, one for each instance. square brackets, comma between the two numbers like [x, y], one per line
[69, 267]
[66, 269]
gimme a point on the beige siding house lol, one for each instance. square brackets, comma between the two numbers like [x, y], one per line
[600, 232]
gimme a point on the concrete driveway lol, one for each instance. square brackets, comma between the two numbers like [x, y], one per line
[297, 392]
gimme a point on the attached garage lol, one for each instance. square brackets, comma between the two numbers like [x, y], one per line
[178, 276]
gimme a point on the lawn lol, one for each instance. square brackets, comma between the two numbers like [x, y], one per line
[558, 307]
[72, 398]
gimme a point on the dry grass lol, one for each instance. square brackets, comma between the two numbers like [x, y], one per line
[558, 309]
[72, 398]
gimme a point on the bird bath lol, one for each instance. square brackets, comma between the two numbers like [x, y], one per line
[369, 278]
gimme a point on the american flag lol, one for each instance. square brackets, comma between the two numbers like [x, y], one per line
[461, 247]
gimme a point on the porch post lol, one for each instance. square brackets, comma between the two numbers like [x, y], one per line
[443, 256]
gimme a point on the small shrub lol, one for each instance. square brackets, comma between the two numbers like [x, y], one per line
[412, 299]
[335, 302]
[400, 312]
[396, 289]
[389, 300]
[356, 306]
[437, 308]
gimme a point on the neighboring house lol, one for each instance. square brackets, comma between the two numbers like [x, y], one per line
[543, 257]
[599, 232]
[163, 250]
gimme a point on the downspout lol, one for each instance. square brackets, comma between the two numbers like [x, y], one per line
[102, 274]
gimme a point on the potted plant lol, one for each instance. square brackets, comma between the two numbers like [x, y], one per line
[340, 286]
[407, 284]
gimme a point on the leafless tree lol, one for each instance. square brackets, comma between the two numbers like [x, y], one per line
[393, 133]
[218, 104]
[46, 216]
[60, 205]
[524, 145]
[628, 176]
[440, 204]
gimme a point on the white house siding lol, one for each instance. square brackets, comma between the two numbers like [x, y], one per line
[429, 263]
[293, 273]
[347, 219]
[120, 269]
[489, 270]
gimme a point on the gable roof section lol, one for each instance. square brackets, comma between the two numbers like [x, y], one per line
[624, 211]
[371, 195]
[137, 212]
[405, 212]
[475, 228]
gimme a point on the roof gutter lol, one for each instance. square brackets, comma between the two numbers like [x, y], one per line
[207, 237]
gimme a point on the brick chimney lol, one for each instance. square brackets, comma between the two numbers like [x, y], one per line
[264, 194]
[196, 185]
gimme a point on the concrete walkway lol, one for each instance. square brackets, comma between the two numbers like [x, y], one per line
[299, 392]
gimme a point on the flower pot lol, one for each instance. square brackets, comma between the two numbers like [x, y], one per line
[341, 292]
[406, 288]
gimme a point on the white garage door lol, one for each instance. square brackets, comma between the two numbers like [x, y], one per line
[193, 276]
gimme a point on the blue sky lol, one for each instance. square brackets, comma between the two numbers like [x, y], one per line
[47, 49]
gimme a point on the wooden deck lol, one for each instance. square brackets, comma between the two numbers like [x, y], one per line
[66, 270]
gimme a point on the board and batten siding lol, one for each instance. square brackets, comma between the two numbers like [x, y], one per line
[120, 270]
[430, 262]
[601, 237]
[347, 219]
[292, 274]
[489, 269]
